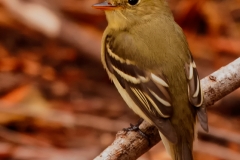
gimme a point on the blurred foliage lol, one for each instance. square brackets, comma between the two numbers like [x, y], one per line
[56, 101]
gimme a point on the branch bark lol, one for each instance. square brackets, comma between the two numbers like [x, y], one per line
[131, 145]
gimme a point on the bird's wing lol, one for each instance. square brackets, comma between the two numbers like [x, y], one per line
[149, 91]
[195, 94]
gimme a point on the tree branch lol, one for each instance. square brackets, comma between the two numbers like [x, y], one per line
[131, 145]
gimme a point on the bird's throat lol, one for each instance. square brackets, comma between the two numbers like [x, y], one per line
[116, 20]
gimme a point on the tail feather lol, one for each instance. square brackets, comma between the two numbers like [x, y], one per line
[186, 152]
[180, 151]
[202, 117]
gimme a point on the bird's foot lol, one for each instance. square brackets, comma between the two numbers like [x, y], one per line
[136, 128]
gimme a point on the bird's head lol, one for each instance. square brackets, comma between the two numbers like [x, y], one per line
[122, 13]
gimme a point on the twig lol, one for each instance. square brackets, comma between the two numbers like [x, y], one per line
[131, 145]
[215, 86]
[221, 83]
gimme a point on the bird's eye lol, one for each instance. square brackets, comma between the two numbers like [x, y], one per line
[133, 2]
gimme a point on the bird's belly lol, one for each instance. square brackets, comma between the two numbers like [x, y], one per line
[131, 104]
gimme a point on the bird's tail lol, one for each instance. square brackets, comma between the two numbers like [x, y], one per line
[182, 150]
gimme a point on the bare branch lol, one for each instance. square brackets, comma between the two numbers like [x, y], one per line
[221, 83]
[130, 145]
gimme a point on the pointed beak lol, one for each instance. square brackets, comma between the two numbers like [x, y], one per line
[104, 6]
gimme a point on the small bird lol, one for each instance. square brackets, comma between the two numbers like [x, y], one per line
[146, 55]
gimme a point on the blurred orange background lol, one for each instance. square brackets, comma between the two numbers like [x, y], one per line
[56, 101]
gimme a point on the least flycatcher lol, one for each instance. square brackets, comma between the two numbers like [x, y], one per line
[146, 55]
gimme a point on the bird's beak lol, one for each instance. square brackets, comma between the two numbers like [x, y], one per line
[104, 6]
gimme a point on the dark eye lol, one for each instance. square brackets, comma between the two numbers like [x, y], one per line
[133, 2]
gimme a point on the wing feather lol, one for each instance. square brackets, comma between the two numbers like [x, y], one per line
[149, 91]
[195, 94]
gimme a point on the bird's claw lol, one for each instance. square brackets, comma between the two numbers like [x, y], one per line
[136, 128]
